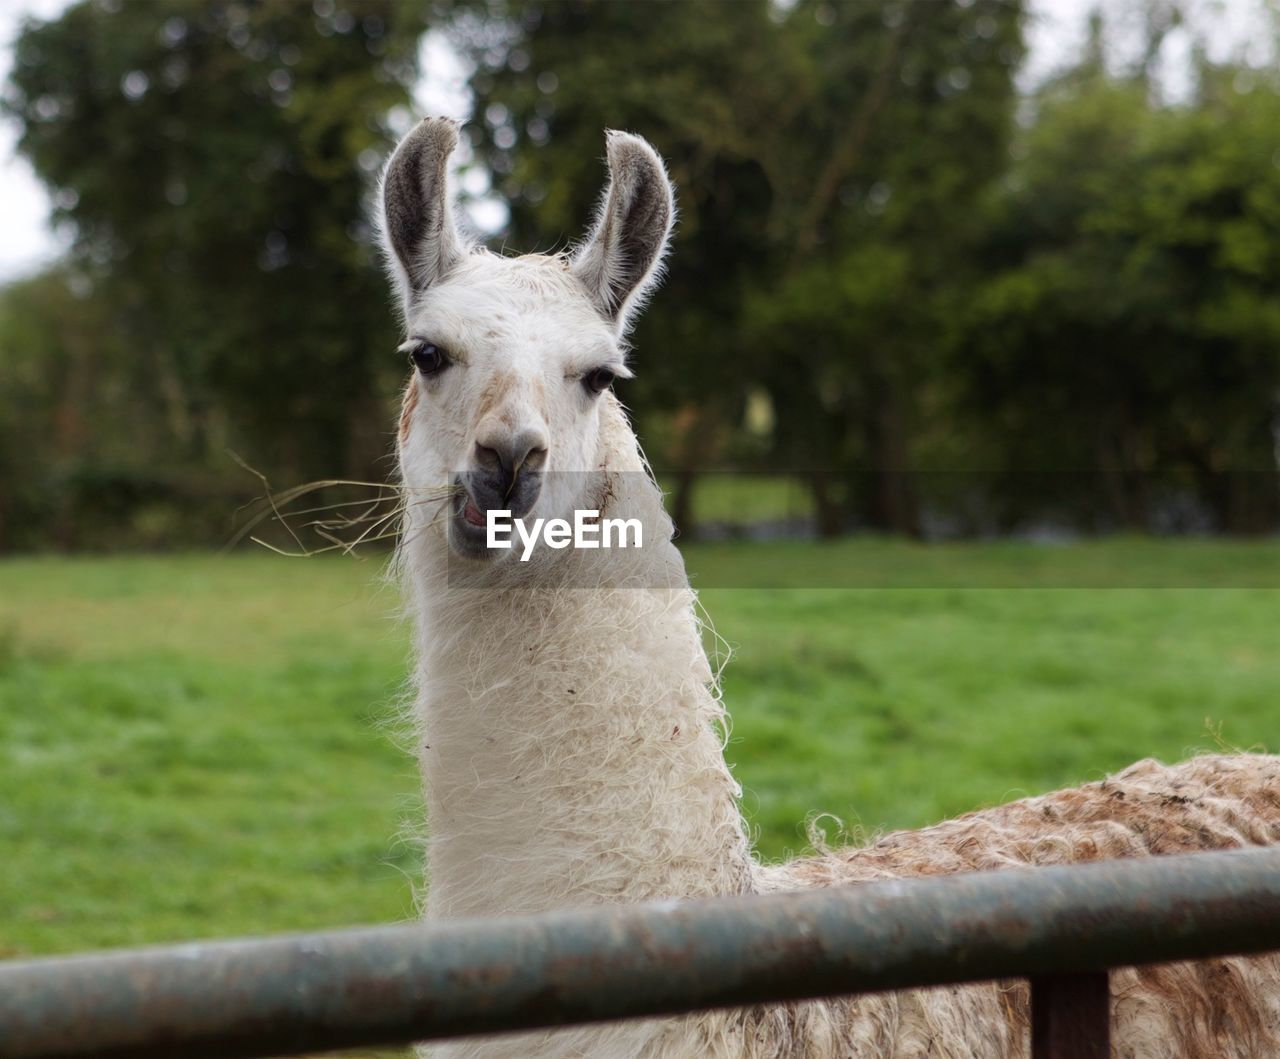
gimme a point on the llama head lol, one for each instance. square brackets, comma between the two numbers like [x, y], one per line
[513, 357]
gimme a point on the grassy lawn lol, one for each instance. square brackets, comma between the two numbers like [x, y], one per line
[196, 746]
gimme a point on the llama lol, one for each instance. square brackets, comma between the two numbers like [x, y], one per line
[572, 739]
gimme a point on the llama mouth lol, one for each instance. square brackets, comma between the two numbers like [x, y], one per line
[474, 499]
[469, 526]
[467, 513]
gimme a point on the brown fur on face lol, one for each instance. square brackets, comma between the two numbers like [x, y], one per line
[494, 393]
[407, 408]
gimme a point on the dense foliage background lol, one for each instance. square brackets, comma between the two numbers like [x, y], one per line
[941, 305]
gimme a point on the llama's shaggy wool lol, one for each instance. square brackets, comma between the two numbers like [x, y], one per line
[571, 737]
[1226, 1007]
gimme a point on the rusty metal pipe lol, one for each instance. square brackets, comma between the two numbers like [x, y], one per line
[305, 993]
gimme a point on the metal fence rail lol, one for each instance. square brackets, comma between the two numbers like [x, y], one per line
[304, 993]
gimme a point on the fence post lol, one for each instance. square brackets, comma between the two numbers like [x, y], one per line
[1071, 1016]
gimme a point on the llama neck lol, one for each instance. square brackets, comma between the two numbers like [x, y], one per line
[571, 741]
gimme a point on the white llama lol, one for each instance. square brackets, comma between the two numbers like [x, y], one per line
[571, 738]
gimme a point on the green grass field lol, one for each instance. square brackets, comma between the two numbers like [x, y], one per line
[196, 746]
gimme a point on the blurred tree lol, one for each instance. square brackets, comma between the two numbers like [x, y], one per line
[214, 159]
[1130, 324]
[710, 86]
[87, 453]
[45, 361]
[826, 155]
[909, 127]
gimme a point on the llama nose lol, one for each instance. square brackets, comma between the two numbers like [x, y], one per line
[507, 475]
[510, 455]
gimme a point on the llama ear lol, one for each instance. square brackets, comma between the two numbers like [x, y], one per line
[417, 216]
[621, 261]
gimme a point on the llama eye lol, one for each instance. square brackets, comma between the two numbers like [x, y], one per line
[428, 358]
[598, 380]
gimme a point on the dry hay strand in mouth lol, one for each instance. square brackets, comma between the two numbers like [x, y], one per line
[343, 525]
